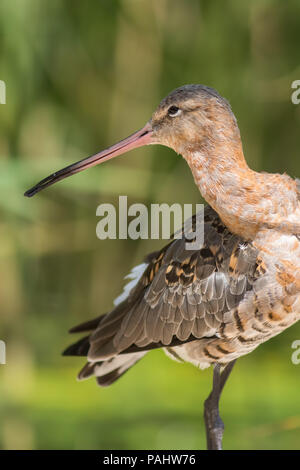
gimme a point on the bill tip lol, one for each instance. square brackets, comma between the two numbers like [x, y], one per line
[30, 192]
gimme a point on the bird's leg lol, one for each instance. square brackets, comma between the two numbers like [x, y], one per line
[213, 423]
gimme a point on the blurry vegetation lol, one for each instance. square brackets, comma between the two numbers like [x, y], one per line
[79, 76]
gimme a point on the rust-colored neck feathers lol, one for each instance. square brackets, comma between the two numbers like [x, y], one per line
[204, 130]
[248, 202]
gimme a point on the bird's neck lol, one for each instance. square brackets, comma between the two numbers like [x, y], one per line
[247, 202]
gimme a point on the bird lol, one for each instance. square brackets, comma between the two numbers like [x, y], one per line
[214, 303]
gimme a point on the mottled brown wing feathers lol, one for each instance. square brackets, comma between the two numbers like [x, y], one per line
[182, 295]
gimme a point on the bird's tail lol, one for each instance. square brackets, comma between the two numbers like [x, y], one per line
[105, 372]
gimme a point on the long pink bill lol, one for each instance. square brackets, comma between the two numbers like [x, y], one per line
[138, 139]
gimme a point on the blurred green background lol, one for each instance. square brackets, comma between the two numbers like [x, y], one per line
[80, 76]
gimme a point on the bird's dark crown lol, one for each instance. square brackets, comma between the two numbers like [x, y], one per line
[191, 113]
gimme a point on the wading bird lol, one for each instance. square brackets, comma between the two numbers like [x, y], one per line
[211, 305]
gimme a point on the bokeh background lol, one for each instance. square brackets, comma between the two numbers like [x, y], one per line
[80, 76]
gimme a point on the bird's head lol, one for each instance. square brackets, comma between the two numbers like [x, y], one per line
[191, 118]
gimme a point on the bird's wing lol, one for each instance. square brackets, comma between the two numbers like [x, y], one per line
[182, 295]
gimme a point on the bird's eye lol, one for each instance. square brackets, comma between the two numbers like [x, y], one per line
[174, 111]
